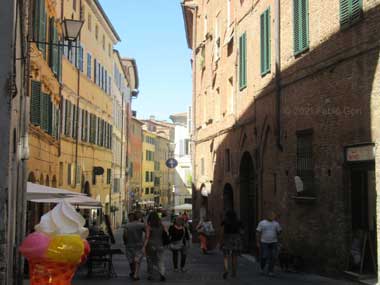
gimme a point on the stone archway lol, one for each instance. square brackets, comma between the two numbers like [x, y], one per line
[228, 197]
[86, 188]
[54, 181]
[248, 202]
[203, 210]
[32, 177]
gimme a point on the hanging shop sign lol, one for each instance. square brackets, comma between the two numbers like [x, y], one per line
[360, 153]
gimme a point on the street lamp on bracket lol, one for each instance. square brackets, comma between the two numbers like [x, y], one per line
[71, 29]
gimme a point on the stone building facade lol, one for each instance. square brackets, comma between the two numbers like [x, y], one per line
[135, 160]
[285, 118]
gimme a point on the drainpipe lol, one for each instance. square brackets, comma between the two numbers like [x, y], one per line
[25, 13]
[277, 40]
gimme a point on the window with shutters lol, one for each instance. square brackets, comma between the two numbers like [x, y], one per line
[146, 191]
[243, 61]
[68, 118]
[40, 25]
[45, 102]
[109, 175]
[53, 48]
[131, 169]
[80, 58]
[83, 125]
[35, 103]
[50, 116]
[92, 128]
[69, 174]
[305, 166]
[74, 126]
[265, 50]
[95, 71]
[146, 176]
[301, 25]
[351, 11]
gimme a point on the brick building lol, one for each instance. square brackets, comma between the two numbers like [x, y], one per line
[283, 92]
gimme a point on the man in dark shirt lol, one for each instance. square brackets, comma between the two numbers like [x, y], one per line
[134, 242]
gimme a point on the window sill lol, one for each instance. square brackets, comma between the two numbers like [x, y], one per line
[305, 199]
[299, 53]
[242, 88]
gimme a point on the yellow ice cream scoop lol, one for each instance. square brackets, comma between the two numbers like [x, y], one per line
[65, 249]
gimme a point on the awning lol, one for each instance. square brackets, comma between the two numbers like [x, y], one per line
[77, 201]
[187, 207]
[37, 191]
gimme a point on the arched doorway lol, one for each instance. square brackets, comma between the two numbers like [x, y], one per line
[47, 181]
[86, 189]
[228, 197]
[54, 182]
[203, 210]
[31, 177]
[248, 202]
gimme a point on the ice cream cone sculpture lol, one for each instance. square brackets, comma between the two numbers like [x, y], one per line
[57, 247]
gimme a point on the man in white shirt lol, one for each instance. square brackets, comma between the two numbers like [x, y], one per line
[268, 231]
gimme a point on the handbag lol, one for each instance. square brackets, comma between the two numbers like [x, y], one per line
[165, 238]
[178, 244]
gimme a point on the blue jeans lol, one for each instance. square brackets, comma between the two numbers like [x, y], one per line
[268, 255]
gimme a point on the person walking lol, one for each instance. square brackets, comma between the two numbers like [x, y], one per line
[268, 231]
[231, 243]
[179, 239]
[204, 228]
[134, 240]
[154, 246]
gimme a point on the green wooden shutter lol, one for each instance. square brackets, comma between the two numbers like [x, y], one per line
[350, 11]
[42, 28]
[56, 48]
[68, 118]
[301, 25]
[74, 123]
[35, 103]
[45, 98]
[51, 42]
[243, 61]
[36, 19]
[50, 116]
[265, 53]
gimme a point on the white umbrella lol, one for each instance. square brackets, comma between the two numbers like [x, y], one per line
[77, 201]
[184, 207]
[37, 191]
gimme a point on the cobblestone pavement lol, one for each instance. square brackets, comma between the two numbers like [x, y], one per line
[204, 269]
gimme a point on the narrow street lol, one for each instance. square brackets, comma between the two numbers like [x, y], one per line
[205, 269]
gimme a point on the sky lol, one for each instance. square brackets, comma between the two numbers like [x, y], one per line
[152, 32]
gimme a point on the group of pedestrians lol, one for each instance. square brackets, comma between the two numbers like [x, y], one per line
[150, 240]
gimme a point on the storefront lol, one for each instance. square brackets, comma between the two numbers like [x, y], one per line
[360, 166]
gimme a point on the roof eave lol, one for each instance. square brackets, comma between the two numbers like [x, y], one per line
[187, 29]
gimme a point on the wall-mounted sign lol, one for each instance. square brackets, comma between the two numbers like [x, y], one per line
[171, 163]
[360, 153]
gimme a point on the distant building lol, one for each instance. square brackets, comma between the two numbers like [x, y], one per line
[135, 156]
[183, 173]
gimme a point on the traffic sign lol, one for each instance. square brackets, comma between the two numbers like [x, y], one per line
[171, 163]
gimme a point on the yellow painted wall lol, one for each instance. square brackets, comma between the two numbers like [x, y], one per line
[147, 166]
